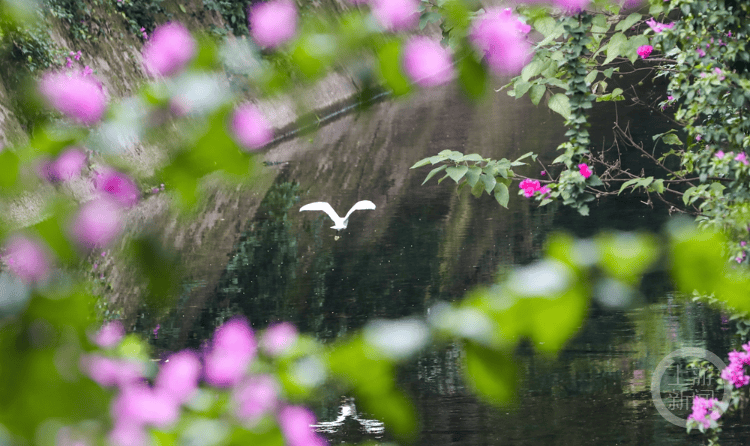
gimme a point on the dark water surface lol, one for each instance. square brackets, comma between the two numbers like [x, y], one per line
[425, 244]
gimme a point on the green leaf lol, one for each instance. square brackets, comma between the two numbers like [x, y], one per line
[421, 163]
[491, 373]
[629, 21]
[456, 172]
[520, 88]
[472, 176]
[536, 93]
[559, 103]
[545, 25]
[672, 139]
[591, 76]
[631, 50]
[626, 256]
[532, 69]
[502, 195]
[472, 157]
[433, 172]
[489, 183]
[615, 46]
[477, 189]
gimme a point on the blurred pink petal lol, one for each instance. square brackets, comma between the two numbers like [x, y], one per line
[110, 335]
[179, 375]
[76, 96]
[427, 62]
[278, 338]
[250, 128]
[273, 23]
[396, 15]
[501, 37]
[169, 50]
[255, 397]
[295, 423]
[110, 372]
[118, 186]
[27, 259]
[128, 434]
[572, 6]
[141, 405]
[97, 223]
[67, 165]
[232, 349]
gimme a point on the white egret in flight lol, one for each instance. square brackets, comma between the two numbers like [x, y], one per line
[338, 222]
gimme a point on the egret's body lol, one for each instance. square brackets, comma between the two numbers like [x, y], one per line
[338, 222]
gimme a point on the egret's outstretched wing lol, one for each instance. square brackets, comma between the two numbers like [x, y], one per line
[322, 206]
[360, 205]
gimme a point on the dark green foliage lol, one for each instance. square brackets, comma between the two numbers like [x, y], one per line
[234, 13]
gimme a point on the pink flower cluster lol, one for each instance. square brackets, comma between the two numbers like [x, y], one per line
[273, 23]
[66, 166]
[501, 37]
[427, 62]
[735, 371]
[705, 410]
[250, 128]
[224, 364]
[396, 15]
[658, 27]
[585, 170]
[645, 50]
[75, 95]
[170, 49]
[28, 259]
[531, 187]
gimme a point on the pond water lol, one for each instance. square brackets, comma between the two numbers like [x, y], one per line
[426, 244]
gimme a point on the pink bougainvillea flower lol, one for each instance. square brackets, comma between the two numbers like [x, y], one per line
[500, 36]
[232, 349]
[141, 405]
[110, 372]
[703, 407]
[279, 338]
[572, 6]
[702, 54]
[427, 62]
[295, 423]
[529, 187]
[118, 186]
[718, 72]
[169, 50]
[110, 335]
[741, 157]
[273, 23]
[645, 50]
[720, 154]
[658, 27]
[27, 259]
[97, 223]
[76, 96]
[250, 128]
[396, 15]
[179, 375]
[255, 397]
[585, 170]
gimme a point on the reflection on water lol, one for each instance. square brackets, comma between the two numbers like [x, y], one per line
[425, 244]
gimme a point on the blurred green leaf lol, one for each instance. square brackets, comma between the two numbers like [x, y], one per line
[389, 57]
[472, 76]
[627, 256]
[697, 261]
[491, 373]
[8, 168]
